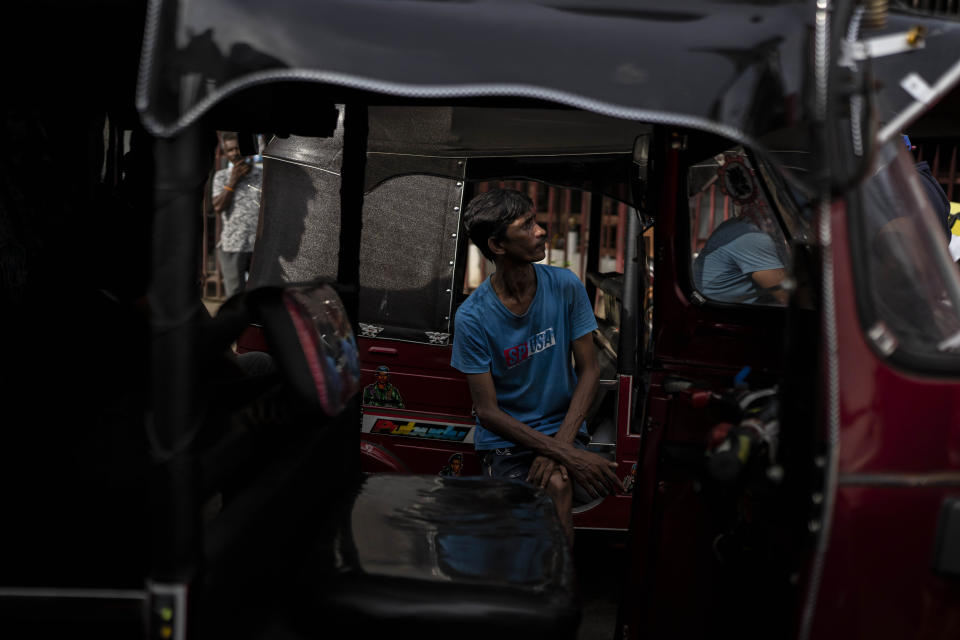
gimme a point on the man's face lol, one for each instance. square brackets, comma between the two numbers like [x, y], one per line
[232, 150]
[525, 240]
[455, 465]
[382, 378]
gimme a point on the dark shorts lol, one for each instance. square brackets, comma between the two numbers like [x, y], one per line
[514, 463]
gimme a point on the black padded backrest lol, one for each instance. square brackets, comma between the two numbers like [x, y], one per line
[310, 337]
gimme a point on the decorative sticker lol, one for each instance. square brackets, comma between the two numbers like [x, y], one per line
[438, 337]
[381, 392]
[630, 480]
[736, 179]
[426, 429]
[454, 465]
[370, 330]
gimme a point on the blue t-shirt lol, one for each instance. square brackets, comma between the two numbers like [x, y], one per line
[724, 269]
[529, 356]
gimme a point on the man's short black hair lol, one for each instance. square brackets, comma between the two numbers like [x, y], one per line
[489, 214]
[227, 136]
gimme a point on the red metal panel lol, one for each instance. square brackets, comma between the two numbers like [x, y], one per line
[375, 458]
[628, 444]
[640, 587]
[421, 456]
[421, 373]
[252, 339]
[733, 337]
[877, 581]
[612, 513]
[893, 421]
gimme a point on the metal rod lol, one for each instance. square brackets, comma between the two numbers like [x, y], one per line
[352, 180]
[596, 234]
[175, 310]
[621, 223]
[630, 315]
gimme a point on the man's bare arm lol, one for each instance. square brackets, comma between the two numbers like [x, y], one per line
[588, 375]
[593, 472]
[770, 278]
[222, 200]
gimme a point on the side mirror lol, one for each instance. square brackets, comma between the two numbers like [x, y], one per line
[310, 337]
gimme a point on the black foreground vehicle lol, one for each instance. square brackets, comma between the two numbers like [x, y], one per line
[154, 486]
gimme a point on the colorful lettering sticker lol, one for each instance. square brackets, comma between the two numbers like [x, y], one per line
[412, 429]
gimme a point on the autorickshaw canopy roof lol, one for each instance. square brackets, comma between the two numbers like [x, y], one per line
[736, 69]
[743, 70]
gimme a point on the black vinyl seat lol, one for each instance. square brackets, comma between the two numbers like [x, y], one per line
[316, 549]
[450, 557]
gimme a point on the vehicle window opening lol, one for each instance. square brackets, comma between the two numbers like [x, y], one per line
[909, 293]
[565, 214]
[739, 251]
[408, 247]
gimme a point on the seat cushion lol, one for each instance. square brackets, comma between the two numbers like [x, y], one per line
[439, 555]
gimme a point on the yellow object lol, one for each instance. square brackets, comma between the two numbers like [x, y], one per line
[166, 631]
[915, 36]
[743, 451]
[955, 214]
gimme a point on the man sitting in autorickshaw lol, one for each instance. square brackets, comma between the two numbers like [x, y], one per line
[514, 336]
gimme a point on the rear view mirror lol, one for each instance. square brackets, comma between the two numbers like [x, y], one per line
[309, 335]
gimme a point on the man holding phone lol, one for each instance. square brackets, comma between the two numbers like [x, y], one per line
[236, 198]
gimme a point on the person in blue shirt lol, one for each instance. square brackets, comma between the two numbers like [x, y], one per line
[740, 263]
[513, 338]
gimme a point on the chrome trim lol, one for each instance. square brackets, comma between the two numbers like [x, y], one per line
[301, 164]
[177, 591]
[917, 480]
[822, 71]
[942, 87]
[503, 155]
[462, 182]
[833, 423]
[821, 58]
[73, 593]
[612, 446]
[856, 99]
[405, 340]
